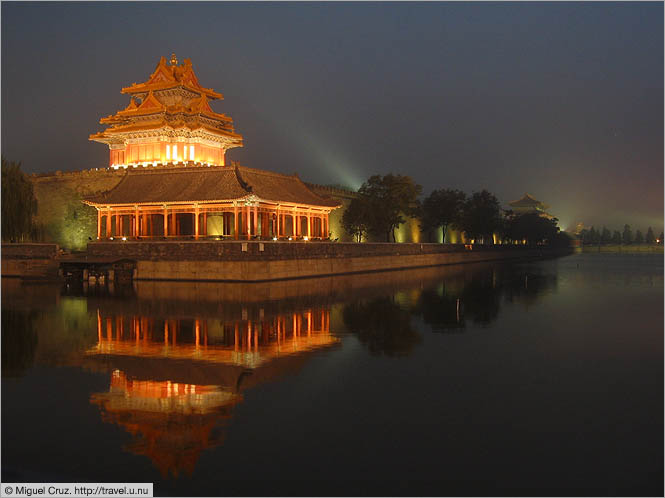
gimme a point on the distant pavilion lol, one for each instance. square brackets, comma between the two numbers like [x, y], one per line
[173, 146]
[528, 204]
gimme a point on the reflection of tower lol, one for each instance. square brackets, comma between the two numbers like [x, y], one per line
[174, 379]
[174, 422]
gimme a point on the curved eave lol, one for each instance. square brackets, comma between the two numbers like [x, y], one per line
[298, 204]
[143, 88]
[160, 204]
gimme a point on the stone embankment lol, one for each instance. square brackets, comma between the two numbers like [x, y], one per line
[30, 260]
[263, 261]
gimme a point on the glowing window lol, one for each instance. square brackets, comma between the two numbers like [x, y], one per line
[175, 152]
[168, 152]
[191, 152]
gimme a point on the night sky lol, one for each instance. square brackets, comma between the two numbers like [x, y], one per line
[561, 100]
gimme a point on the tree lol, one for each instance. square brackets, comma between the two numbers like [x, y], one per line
[19, 205]
[650, 238]
[481, 215]
[639, 238]
[627, 236]
[593, 236]
[389, 197]
[441, 209]
[606, 236]
[616, 237]
[533, 228]
[356, 219]
[660, 238]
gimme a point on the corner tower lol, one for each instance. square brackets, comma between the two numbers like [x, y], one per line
[168, 121]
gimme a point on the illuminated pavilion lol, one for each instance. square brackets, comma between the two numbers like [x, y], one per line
[172, 146]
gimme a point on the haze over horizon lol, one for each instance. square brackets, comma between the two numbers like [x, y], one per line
[564, 101]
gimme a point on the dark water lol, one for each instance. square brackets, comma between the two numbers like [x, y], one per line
[529, 378]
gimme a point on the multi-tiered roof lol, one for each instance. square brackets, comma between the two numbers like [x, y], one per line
[529, 204]
[168, 120]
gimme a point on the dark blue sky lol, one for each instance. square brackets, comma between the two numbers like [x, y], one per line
[563, 100]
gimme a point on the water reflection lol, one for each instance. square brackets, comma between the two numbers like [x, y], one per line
[172, 423]
[174, 380]
[477, 298]
[382, 326]
[19, 341]
[177, 359]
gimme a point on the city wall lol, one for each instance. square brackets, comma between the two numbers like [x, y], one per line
[61, 216]
[263, 261]
[256, 261]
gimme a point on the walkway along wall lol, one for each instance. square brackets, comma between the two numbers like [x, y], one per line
[263, 261]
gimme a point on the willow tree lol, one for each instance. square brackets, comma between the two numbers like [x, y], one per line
[19, 205]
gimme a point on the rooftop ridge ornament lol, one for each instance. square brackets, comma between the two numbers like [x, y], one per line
[174, 60]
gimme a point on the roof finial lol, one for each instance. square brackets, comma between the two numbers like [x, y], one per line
[174, 60]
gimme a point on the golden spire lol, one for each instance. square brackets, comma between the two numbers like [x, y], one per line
[174, 60]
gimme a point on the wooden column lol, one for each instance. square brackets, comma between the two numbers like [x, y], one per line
[235, 222]
[205, 224]
[309, 225]
[248, 223]
[108, 223]
[196, 222]
[99, 224]
[166, 222]
[137, 220]
[256, 221]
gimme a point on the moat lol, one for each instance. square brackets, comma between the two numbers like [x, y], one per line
[520, 378]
